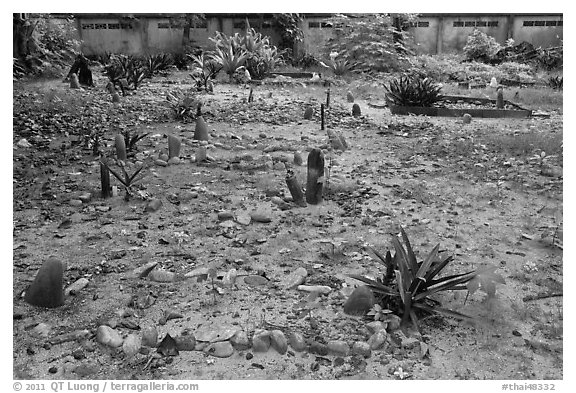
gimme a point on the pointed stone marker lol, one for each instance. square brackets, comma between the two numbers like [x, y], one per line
[46, 290]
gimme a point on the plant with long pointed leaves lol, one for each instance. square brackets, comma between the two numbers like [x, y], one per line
[126, 179]
[409, 290]
[413, 90]
[131, 139]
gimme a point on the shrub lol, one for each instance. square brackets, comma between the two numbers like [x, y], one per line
[480, 46]
[407, 286]
[205, 68]
[412, 91]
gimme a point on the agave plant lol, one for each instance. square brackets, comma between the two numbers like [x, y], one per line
[126, 179]
[413, 91]
[408, 285]
[339, 66]
[131, 139]
[158, 62]
[229, 59]
[182, 105]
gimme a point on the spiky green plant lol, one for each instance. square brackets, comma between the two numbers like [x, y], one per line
[205, 69]
[413, 91]
[339, 66]
[131, 139]
[126, 179]
[408, 285]
[229, 59]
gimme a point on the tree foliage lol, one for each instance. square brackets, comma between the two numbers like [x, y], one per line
[374, 42]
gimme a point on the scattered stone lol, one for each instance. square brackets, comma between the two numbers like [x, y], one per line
[410, 343]
[361, 348]
[41, 330]
[229, 278]
[255, 280]
[131, 345]
[375, 326]
[338, 347]
[308, 113]
[174, 161]
[164, 157]
[160, 162]
[186, 343]
[53, 370]
[222, 349]
[46, 289]
[243, 219]
[105, 335]
[318, 348]
[260, 217]
[86, 197]
[394, 322]
[150, 337]
[261, 340]
[161, 275]
[76, 286]
[223, 216]
[199, 271]
[240, 340]
[144, 270]
[153, 206]
[361, 300]
[75, 202]
[323, 289]
[168, 315]
[466, 118]
[295, 278]
[356, 110]
[78, 354]
[279, 166]
[350, 97]
[212, 334]
[296, 341]
[278, 341]
[262, 135]
[377, 340]
[23, 143]
[298, 160]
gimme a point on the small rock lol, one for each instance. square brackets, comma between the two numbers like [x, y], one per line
[377, 340]
[185, 343]
[338, 347]
[53, 370]
[85, 198]
[261, 340]
[361, 300]
[78, 354]
[131, 345]
[229, 278]
[410, 343]
[356, 110]
[153, 206]
[308, 113]
[42, 330]
[349, 97]
[393, 323]
[105, 335]
[295, 278]
[361, 348]
[318, 348]
[223, 216]
[279, 166]
[243, 219]
[221, 349]
[160, 162]
[260, 217]
[296, 341]
[262, 135]
[215, 333]
[23, 143]
[375, 326]
[278, 341]
[75, 202]
[240, 340]
[76, 286]
[174, 161]
[298, 160]
[150, 337]
[161, 275]
[323, 289]
[466, 118]
[169, 315]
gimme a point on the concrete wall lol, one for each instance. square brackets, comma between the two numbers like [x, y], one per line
[544, 36]
[111, 35]
[316, 33]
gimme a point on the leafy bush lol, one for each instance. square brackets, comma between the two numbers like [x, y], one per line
[550, 59]
[371, 42]
[480, 46]
[158, 62]
[556, 82]
[339, 66]
[413, 91]
[252, 50]
[205, 68]
[407, 286]
[182, 105]
[307, 61]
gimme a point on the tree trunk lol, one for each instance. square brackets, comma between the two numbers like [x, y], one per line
[315, 182]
